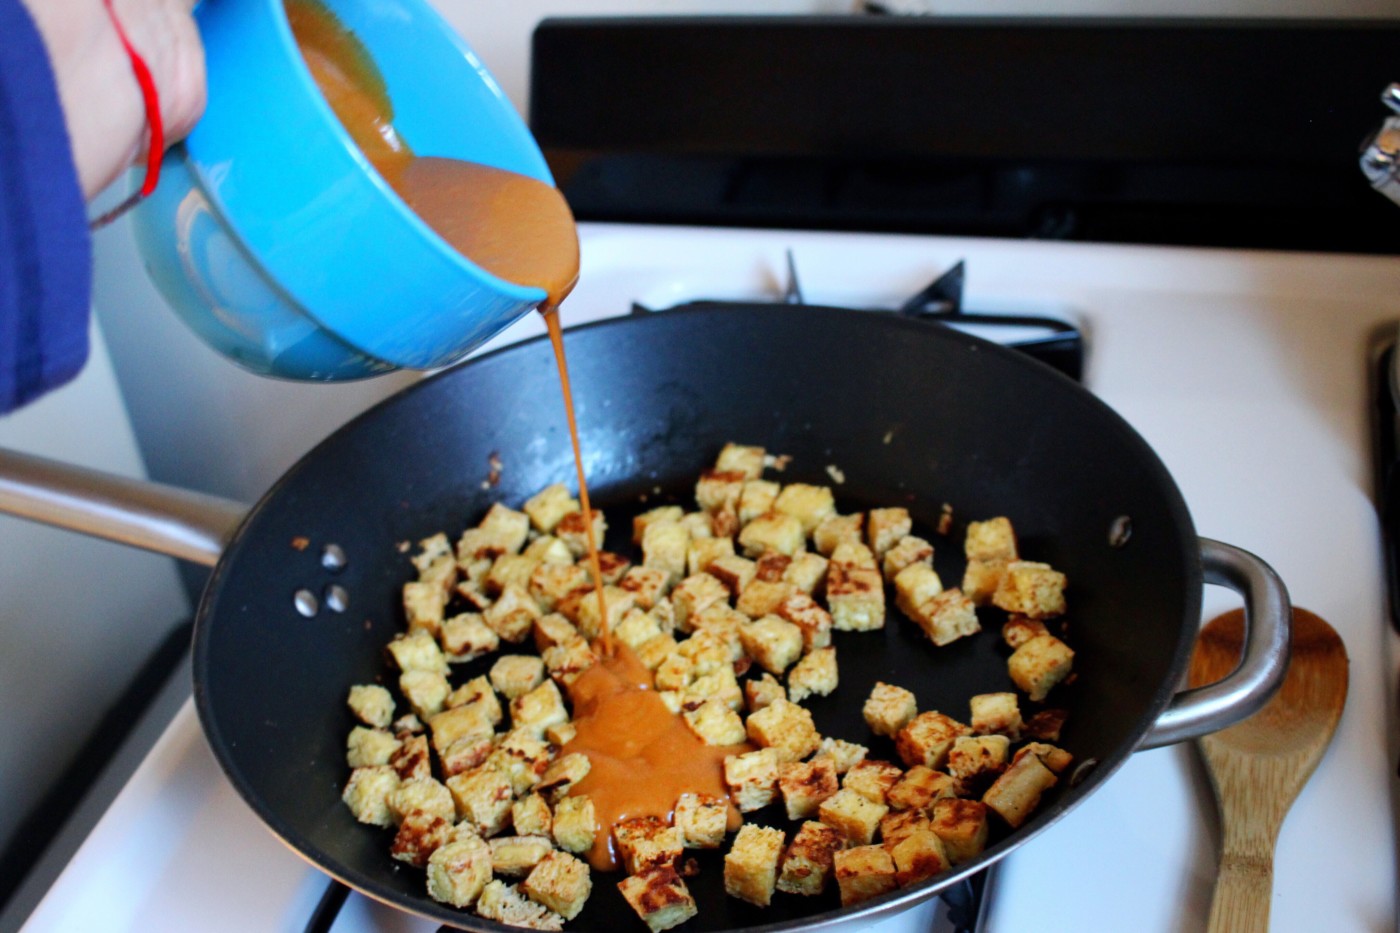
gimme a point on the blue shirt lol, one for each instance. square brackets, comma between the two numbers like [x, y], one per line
[45, 250]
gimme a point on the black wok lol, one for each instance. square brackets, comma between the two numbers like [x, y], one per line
[909, 412]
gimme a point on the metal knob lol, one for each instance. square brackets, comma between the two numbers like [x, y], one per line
[1380, 154]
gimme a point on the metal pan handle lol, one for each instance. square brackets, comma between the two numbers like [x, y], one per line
[1268, 619]
[189, 525]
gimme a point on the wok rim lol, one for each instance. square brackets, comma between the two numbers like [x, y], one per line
[871, 910]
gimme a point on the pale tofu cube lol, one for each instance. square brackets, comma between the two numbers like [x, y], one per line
[981, 579]
[662, 513]
[872, 779]
[505, 904]
[575, 825]
[914, 586]
[1016, 794]
[409, 724]
[975, 761]
[530, 816]
[702, 820]
[419, 836]
[864, 872]
[844, 754]
[616, 600]
[715, 723]
[786, 728]
[431, 550]
[757, 499]
[554, 629]
[1040, 664]
[646, 842]
[733, 571]
[565, 662]
[907, 552]
[752, 779]
[636, 629]
[646, 584]
[992, 540]
[806, 572]
[675, 672]
[693, 595]
[562, 774]
[947, 617]
[806, 503]
[458, 871]
[719, 684]
[1018, 630]
[560, 734]
[513, 614]
[559, 882]
[574, 531]
[547, 549]
[372, 705]
[466, 637]
[762, 691]
[553, 584]
[478, 545]
[514, 675]
[538, 709]
[703, 552]
[417, 651]
[508, 526]
[854, 554]
[412, 760]
[510, 569]
[719, 621]
[772, 531]
[772, 642]
[719, 490]
[919, 787]
[483, 797]
[653, 652]
[425, 691]
[918, 857]
[751, 864]
[665, 544]
[996, 714]
[465, 755]
[854, 816]
[367, 794]
[671, 699]
[699, 524]
[1031, 589]
[763, 597]
[855, 597]
[423, 795]
[659, 896]
[747, 460]
[837, 529]
[815, 675]
[962, 825]
[886, 527]
[805, 784]
[810, 859]
[805, 613]
[889, 709]
[423, 605]
[927, 738]
[476, 719]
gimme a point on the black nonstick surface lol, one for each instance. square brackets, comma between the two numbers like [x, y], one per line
[910, 413]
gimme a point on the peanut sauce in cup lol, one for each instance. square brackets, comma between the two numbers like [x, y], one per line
[643, 757]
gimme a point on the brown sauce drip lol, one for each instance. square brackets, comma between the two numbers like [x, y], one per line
[513, 226]
[643, 756]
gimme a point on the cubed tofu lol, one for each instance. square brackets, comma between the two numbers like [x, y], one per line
[1031, 589]
[774, 643]
[553, 584]
[409, 724]
[1039, 665]
[562, 774]
[844, 754]
[565, 662]
[430, 551]
[412, 760]
[733, 571]
[1045, 725]
[703, 552]
[854, 816]
[962, 825]
[478, 546]
[786, 728]
[816, 674]
[975, 761]
[671, 699]
[1016, 794]
[771, 566]
[898, 824]
[719, 490]
[479, 693]
[805, 784]
[466, 637]
[864, 872]
[996, 714]
[715, 723]
[475, 718]
[613, 567]
[927, 738]
[367, 794]
[919, 787]
[423, 605]
[914, 586]
[417, 651]
[508, 526]
[372, 705]
[419, 836]
[763, 597]
[1017, 630]
[721, 624]
[1056, 759]
[465, 754]
[425, 691]
[653, 652]
[695, 594]
[617, 602]
[757, 499]
[548, 549]
[660, 898]
[646, 584]
[574, 531]
[702, 820]
[516, 856]
[675, 672]
[510, 569]
[523, 757]
[907, 552]
[560, 734]
[815, 622]
[636, 629]
[886, 527]
[772, 531]
[806, 503]
[806, 572]
[662, 513]
[993, 539]
[872, 779]
[719, 684]
[539, 709]
[761, 691]
[751, 864]
[365, 747]
[459, 870]
[918, 857]
[855, 597]
[575, 825]
[516, 674]
[559, 882]
[752, 778]
[530, 815]
[483, 797]
[833, 530]
[745, 459]
[554, 629]
[809, 861]
[947, 617]
[505, 904]
[645, 842]
[889, 709]
[513, 614]
[698, 524]
[665, 543]
[981, 579]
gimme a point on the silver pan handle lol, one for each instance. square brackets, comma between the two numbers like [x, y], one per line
[189, 525]
[1268, 619]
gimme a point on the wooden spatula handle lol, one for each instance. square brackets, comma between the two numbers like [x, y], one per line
[1242, 893]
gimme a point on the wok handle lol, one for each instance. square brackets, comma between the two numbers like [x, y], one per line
[1268, 622]
[189, 525]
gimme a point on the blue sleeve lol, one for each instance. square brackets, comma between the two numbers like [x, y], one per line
[45, 250]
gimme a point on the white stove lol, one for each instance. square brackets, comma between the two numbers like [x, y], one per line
[1249, 374]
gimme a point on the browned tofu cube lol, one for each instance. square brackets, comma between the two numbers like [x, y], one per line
[810, 859]
[531, 817]
[412, 760]
[833, 530]
[962, 825]
[772, 531]
[914, 586]
[1056, 759]
[886, 528]
[1018, 630]
[574, 531]
[419, 836]
[466, 637]
[806, 572]
[1016, 794]
[662, 513]
[562, 774]
[552, 584]
[1032, 589]
[1039, 665]
[751, 865]
[719, 490]
[762, 691]
[805, 784]
[752, 778]
[855, 597]
[757, 499]
[715, 723]
[805, 613]
[695, 594]
[947, 617]
[550, 550]
[646, 584]
[816, 674]
[510, 569]
[996, 714]
[505, 904]
[786, 728]
[702, 820]
[733, 571]
[981, 579]
[897, 825]
[652, 653]
[548, 506]
[806, 503]
[513, 614]
[372, 705]
[854, 816]
[889, 709]
[665, 544]
[763, 597]
[660, 898]
[907, 552]
[516, 856]
[591, 619]
[774, 643]
[872, 779]
[645, 842]
[423, 605]
[993, 539]
[771, 566]
[927, 739]
[465, 754]
[417, 651]
[919, 787]
[975, 761]
[575, 826]
[704, 552]
[539, 709]
[613, 567]
[459, 870]
[523, 757]
[566, 661]
[918, 857]
[425, 691]
[864, 872]
[636, 629]
[742, 458]
[483, 797]
[559, 882]
[844, 754]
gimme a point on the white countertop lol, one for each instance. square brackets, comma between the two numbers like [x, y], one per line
[1248, 374]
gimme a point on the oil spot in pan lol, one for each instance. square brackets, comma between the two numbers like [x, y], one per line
[333, 558]
[337, 598]
[1120, 531]
[306, 602]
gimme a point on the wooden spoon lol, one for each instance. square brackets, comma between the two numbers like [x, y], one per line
[1259, 766]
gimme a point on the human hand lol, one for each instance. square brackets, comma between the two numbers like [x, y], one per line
[102, 103]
